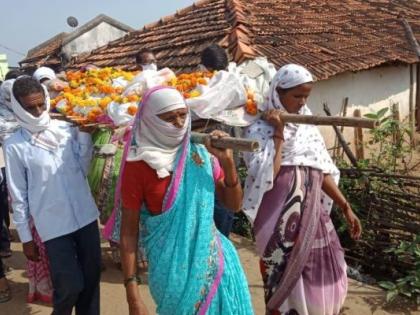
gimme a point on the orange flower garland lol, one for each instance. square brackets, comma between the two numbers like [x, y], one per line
[251, 105]
[187, 83]
[89, 93]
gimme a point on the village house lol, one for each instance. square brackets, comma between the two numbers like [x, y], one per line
[360, 50]
[60, 49]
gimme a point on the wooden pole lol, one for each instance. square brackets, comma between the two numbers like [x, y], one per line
[345, 105]
[416, 47]
[287, 118]
[341, 139]
[239, 144]
[412, 110]
[339, 152]
[417, 97]
[411, 37]
[330, 121]
[358, 138]
[396, 116]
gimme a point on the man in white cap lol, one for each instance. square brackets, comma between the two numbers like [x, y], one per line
[48, 78]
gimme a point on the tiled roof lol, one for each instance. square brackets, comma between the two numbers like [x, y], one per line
[327, 36]
[177, 39]
[332, 36]
[45, 53]
[48, 53]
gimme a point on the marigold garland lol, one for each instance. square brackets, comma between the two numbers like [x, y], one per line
[90, 92]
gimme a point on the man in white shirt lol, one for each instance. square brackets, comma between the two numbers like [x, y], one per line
[46, 166]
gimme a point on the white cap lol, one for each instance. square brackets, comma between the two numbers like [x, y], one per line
[44, 73]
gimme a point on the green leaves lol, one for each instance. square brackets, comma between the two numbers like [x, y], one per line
[371, 116]
[389, 150]
[389, 144]
[409, 284]
[381, 113]
[388, 285]
[391, 295]
[378, 115]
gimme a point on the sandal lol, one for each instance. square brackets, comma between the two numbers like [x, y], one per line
[5, 295]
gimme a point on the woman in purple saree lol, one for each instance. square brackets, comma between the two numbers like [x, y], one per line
[288, 193]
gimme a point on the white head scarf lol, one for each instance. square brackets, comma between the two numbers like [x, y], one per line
[288, 76]
[44, 73]
[26, 120]
[8, 124]
[303, 145]
[6, 93]
[156, 141]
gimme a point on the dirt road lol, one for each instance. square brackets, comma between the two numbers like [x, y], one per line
[361, 300]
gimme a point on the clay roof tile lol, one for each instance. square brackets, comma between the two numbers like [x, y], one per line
[327, 36]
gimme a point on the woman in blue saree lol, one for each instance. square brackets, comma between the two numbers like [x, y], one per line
[168, 185]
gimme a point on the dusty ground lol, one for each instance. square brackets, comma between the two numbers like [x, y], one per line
[361, 300]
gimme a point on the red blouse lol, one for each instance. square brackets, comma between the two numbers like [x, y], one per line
[140, 184]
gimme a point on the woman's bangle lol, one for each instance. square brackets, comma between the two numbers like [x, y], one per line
[133, 278]
[233, 185]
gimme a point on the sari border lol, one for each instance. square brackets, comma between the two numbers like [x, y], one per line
[128, 138]
[218, 279]
[171, 193]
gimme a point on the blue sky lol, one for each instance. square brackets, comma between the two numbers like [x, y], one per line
[26, 23]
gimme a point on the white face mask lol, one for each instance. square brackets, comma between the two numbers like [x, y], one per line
[151, 66]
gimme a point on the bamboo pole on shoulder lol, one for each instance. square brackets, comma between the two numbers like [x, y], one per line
[239, 144]
[250, 145]
[330, 121]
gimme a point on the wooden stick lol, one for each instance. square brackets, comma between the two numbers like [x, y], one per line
[396, 116]
[411, 37]
[358, 138]
[238, 144]
[345, 105]
[416, 47]
[288, 118]
[58, 116]
[412, 109]
[341, 139]
[330, 121]
[337, 150]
